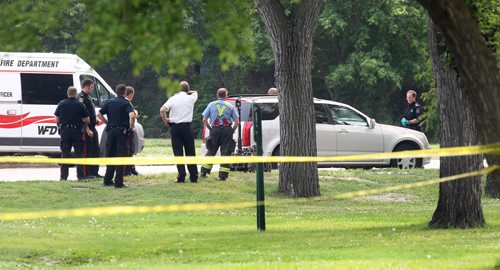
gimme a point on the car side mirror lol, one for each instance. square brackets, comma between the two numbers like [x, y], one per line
[372, 123]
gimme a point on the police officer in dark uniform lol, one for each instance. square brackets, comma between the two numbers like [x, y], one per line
[223, 122]
[71, 118]
[121, 121]
[412, 115]
[91, 148]
[129, 95]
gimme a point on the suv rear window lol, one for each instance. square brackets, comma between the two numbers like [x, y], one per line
[269, 111]
[45, 88]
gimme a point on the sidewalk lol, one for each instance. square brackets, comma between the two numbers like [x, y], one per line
[52, 173]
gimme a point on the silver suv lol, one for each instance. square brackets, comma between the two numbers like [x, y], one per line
[340, 130]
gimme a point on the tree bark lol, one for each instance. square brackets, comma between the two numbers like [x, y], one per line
[459, 203]
[292, 40]
[477, 67]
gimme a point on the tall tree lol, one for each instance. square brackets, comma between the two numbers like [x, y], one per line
[476, 64]
[291, 31]
[459, 202]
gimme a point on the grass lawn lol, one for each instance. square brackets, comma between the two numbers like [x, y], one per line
[163, 146]
[387, 231]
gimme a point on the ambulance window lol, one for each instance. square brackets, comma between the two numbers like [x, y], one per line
[103, 93]
[100, 94]
[45, 88]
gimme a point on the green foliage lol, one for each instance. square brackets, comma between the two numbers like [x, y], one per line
[385, 231]
[487, 13]
[431, 123]
[24, 23]
[159, 34]
[369, 52]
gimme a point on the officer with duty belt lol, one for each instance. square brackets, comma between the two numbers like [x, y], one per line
[71, 118]
[412, 114]
[223, 122]
[91, 147]
[121, 121]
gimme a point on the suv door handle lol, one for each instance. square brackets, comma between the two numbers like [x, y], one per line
[343, 131]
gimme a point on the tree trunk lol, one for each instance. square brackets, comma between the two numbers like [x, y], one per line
[477, 67]
[292, 40]
[459, 202]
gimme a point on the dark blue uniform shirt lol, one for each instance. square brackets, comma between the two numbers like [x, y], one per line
[70, 112]
[413, 111]
[87, 101]
[117, 109]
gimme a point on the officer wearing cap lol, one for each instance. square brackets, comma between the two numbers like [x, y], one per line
[71, 118]
[120, 121]
[221, 118]
[412, 114]
[91, 147]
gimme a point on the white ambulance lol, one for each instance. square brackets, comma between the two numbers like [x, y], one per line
[31, 86]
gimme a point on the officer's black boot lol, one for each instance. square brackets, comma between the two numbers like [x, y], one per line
[204, 171]
[133, 171]
[223, 176]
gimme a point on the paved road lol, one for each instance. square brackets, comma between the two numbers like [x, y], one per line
[52, 174]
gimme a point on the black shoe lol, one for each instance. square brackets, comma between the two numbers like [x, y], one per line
[193, 178]
[134, 172]
[222, 178]
[97, 176]
[86, 178]
[122, 185]
[204, 172]
[63, 179]
[108, 183]
[179, 179]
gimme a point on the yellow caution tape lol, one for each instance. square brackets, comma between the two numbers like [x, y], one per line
[116, 210]
[491, 149]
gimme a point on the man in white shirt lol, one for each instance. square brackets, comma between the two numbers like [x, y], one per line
[180, 109]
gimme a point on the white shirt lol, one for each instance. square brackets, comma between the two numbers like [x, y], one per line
[180, 107]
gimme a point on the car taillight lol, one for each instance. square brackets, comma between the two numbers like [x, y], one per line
[246, 133]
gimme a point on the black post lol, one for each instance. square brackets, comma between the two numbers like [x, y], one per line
[257, 128]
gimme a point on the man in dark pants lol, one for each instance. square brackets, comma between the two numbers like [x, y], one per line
[180, 108]
[121, 121]
[129, 95]
[91, 148]
[223, 122]
[411, 117]
[71, 117]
